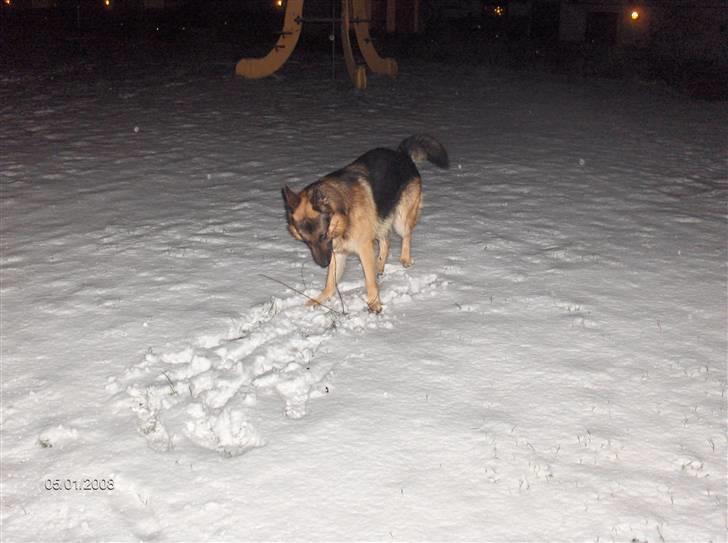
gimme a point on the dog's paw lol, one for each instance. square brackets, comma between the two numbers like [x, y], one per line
[407, 262]
[316, 302]
[320, 299]
[375, 306]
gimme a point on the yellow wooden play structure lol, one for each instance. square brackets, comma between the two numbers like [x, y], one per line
[354, 15]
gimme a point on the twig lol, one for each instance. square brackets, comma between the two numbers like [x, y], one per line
[171, 384]
[303, 279]
[302, 294]
[336, 282]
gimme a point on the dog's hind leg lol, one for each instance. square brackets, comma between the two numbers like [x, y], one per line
[368, 263]
[333, 276]
[406, 216]
[383, 253]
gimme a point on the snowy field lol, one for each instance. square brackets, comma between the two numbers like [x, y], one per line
[553, 368]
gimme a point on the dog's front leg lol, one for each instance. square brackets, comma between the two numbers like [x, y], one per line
[369, 264]
[333, 276]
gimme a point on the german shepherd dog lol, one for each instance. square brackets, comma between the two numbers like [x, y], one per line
[348, 210]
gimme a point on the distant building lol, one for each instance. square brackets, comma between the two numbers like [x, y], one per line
[29, 4]
[401, 16]
[683, 28]
[607, 22]
[158, 4]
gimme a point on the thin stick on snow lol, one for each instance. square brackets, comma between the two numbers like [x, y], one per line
[302, 294]
[171, 384]
[336, 282]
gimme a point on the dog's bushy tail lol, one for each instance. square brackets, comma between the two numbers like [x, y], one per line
[423, 147]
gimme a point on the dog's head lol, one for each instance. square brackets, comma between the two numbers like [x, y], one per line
[316, 217]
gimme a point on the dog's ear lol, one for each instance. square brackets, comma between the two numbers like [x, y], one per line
[290, 199]
[338, 226]
[320, 200]
[325, 199]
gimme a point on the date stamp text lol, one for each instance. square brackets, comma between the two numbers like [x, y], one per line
[84, 484]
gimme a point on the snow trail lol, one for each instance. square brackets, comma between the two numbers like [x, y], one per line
[208, 393]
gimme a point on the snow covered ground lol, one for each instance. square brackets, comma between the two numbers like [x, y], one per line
[552, 368]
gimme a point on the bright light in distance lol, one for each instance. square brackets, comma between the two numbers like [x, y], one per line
[634, 15]
[498, 11]
[279, 3]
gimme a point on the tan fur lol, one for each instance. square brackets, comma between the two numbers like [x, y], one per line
[354, 227]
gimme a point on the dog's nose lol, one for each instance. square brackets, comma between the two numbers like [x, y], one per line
[321, 260]
[321, 257]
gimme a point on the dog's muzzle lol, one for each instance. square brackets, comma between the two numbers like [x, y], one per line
[321, 253]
